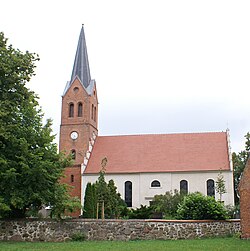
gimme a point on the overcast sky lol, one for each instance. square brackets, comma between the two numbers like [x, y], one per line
[160, 66]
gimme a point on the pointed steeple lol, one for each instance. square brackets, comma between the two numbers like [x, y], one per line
[81, 64]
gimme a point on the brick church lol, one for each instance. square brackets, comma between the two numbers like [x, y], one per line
[140, 165]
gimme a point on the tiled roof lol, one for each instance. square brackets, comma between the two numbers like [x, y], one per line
[160, 153]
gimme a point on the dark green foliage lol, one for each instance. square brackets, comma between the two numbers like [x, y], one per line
[167, 203]
[116, 204]
[99, 192]
[4, 208]
[143, 212]
[90, 202]
[197, 206]
[30, 167]
[61, 202]
[102, 195]
[239, 163]
[102, 188]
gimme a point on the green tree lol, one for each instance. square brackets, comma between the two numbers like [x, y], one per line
[102, 188]
[116, 204]
[239, 163]
[197, 206]
[103, 192]
[30, 167]
[167, 203]
[61, 202]
[90, 202]
[220, 185]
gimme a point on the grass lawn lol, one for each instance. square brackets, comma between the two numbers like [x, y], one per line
[224, 244]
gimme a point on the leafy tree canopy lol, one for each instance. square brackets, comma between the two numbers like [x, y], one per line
[103, 193]
[197, 206]
[167, 203]
[30, 167]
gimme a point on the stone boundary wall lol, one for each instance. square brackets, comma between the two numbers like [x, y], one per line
[51, 230]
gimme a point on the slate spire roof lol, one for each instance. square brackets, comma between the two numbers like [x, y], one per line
[81, 64]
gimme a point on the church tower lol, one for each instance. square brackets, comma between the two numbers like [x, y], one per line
[79, 117]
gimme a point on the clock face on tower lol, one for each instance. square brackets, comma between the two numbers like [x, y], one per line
[74, 135]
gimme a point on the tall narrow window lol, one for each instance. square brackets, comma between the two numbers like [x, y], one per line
[184, 186]
[210, 188]
[95, 114]
[72, 178]
[92, 112]
[80, 110]
[73, 154]
[128, 193]
[71, 110]
[155, 183]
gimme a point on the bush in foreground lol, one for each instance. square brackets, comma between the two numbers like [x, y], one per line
[196, 206]
[143, 212]
[167, 204]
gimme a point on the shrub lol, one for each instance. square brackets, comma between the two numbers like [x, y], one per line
[99, 192]
[143, 212]
[167, 204]
[196, 206]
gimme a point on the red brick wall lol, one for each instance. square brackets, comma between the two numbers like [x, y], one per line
[75, 185]
[245, 202]
[85, 126]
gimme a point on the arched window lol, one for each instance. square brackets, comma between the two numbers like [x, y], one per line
[128, 193]
[210, 188]
[95, 114]
[72, 178]
[73, 154]
[80, 110]
[155, 183]
[71, 110]
[184, 186]
[92, 112]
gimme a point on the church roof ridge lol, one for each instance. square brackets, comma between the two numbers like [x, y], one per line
[161, 134]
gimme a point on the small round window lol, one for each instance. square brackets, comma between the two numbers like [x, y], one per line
[76, 89]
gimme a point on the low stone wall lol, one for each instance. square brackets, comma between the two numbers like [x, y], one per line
[50, 230]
